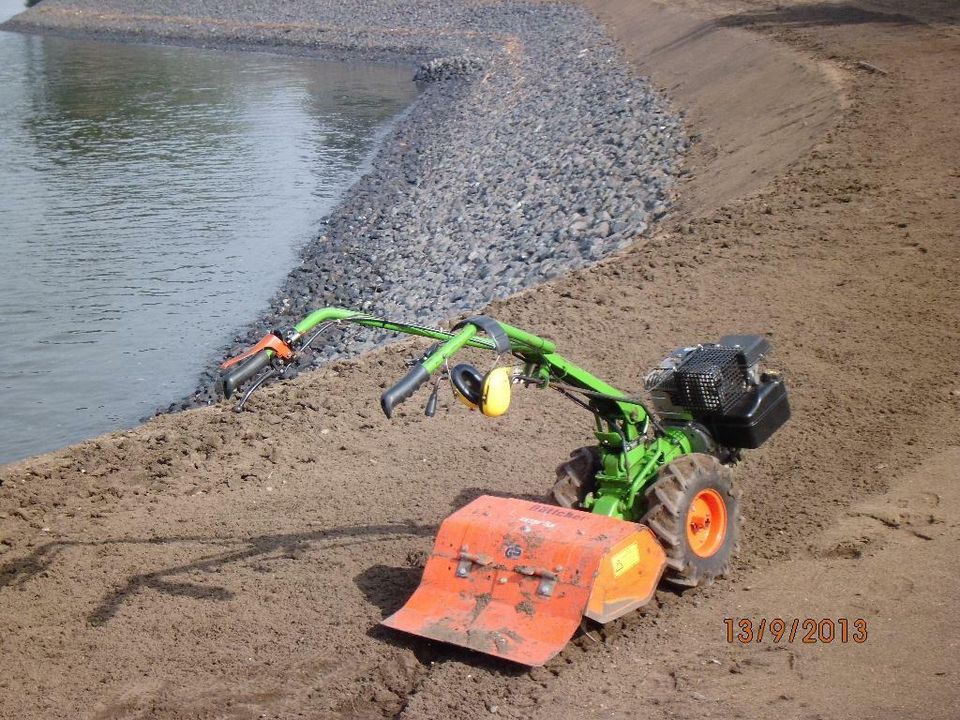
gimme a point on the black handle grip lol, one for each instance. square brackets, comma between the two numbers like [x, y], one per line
[246, 370]
[406, 387]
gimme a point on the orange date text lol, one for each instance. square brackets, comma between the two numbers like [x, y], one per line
[795, 630]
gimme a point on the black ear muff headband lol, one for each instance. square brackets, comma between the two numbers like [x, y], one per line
[492, 328]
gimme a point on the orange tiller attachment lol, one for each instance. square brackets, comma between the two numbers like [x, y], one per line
[514, 578]
[270, 341]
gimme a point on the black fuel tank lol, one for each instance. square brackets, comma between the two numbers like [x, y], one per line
[754, 419]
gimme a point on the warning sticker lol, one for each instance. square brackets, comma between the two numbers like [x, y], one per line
[625, 559]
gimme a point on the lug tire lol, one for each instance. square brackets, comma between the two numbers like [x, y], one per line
[682, 486]
[576, 477]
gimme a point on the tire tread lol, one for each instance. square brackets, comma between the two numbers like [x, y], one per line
[667, 499]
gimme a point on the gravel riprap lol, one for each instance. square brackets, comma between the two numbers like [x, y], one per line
[531, 150]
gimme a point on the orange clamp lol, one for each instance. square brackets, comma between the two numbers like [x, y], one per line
[269, 342]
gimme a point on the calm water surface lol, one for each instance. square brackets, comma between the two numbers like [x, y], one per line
[151, 201]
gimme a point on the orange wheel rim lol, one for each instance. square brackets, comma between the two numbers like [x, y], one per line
[706, 523]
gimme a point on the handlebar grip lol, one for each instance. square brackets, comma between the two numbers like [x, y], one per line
[404, 388]
[246, 370]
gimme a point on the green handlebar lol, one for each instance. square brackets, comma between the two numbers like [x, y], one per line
[327, 314]
[449, 348]
[421, 372]
[530, 348]
[519, 339]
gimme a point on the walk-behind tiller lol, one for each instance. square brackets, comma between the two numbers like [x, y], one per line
[654, 498]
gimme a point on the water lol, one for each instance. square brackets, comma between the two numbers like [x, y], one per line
[151, 201]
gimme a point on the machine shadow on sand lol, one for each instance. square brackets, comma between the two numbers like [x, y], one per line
[262, 547]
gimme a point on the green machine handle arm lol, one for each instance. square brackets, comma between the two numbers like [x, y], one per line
[334, 314]
[537, 352]
[242, 368]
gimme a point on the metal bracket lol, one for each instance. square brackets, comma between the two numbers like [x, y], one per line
[468, 560]
[548, 579]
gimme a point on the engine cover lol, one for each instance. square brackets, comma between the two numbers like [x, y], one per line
[720, 386]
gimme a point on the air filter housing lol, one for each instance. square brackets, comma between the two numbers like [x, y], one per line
[720, 388]
[712, 379]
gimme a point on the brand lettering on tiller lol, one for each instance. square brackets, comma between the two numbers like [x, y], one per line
[540, 523]
[555, 511]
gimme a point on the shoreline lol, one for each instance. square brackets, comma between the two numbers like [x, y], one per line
[466, 131]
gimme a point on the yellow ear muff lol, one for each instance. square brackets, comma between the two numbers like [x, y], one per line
[495, 392]
[467, 385]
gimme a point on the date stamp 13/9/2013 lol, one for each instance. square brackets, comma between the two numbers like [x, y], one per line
[808, 631]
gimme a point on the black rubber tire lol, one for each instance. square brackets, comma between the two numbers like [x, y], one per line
[576, 477]
[668, 501]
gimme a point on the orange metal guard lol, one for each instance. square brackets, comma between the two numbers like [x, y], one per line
[513, 578]
[270, 341]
